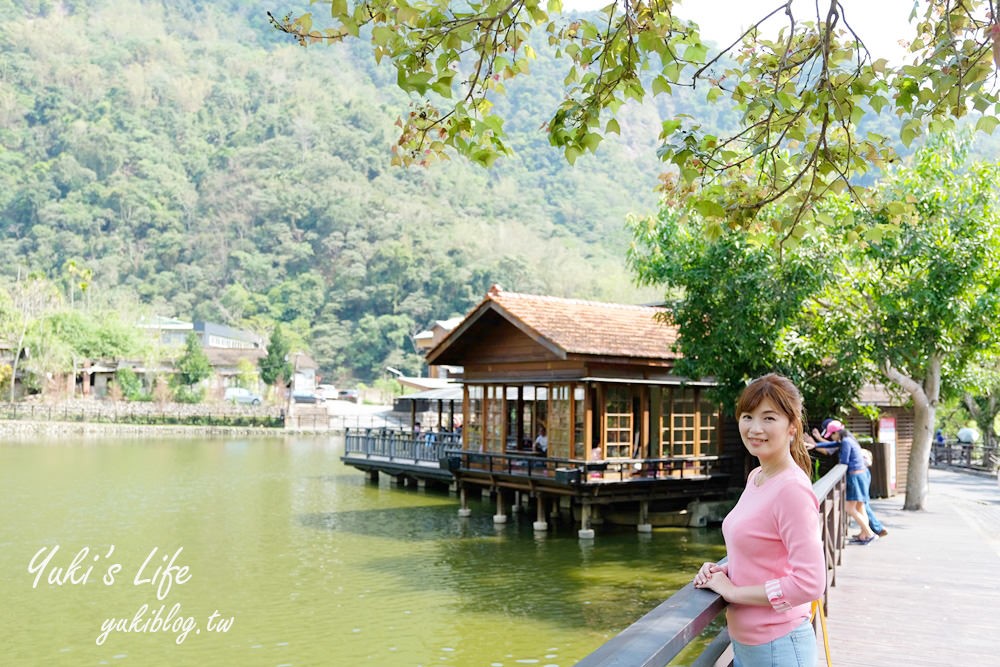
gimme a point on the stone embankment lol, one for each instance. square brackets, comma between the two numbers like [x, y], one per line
[100, 417]
[92, 417]
[25, 429]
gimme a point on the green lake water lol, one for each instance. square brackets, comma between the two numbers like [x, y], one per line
[302, 560]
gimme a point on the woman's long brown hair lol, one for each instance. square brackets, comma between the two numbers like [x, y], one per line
[785, 396]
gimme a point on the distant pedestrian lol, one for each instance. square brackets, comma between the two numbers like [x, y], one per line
[859, 479]
[967, 435]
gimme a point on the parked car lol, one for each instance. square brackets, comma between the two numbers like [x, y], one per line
[306, 397]
[327, 391]
[348, 395]
[242, 396]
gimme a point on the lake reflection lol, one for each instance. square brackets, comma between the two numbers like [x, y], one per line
[313, 564]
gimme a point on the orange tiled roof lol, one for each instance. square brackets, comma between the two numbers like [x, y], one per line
[590, 327]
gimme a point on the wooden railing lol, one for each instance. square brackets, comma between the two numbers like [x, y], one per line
[660, 636]
[575, 471]
[966, 455]
[399, 444]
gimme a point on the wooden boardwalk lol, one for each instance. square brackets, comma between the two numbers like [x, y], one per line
[927, 594]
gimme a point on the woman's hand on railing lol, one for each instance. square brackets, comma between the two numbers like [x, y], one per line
[707, 573]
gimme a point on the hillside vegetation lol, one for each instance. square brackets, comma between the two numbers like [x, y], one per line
[193, 163]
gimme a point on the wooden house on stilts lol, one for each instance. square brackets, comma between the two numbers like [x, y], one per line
[626, 438]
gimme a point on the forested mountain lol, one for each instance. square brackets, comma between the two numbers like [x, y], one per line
[192, 162]
[202, 166]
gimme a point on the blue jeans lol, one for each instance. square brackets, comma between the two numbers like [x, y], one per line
[873, 521]
[796, 649]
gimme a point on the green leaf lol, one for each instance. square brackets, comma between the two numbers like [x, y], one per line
[382, 35]
[825, 219]
[442, 87]
[709, 208]
[338, 8]
[696, 53]
[591, 141]
[669, 127]
[987, 124]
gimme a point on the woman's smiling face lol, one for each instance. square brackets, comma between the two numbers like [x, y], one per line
[766, 431]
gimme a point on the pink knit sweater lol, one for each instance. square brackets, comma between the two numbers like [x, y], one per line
[773, 538]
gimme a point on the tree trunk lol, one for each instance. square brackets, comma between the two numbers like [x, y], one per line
[925, 399]
[916, 470]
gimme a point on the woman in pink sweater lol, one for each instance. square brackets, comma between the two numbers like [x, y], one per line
[776, 565]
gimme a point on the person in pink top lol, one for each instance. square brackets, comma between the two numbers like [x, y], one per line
[776, 566]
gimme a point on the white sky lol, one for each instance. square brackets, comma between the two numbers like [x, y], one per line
[879, 23]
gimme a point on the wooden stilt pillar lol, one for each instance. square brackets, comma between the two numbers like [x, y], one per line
[500, 516]
[644, 526]
[464, 510]
[540, 523]
[585, 532]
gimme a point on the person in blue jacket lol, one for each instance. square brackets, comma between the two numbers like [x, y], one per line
[836, 438]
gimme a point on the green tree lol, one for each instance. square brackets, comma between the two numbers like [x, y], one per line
[274, 366]
[192, 367]
[799, 97]
[983, 407]
[914, 298]
[746, 308]
[924, 295]
[30, 298]
[129, 384]
[6, 375]
[376, 339]
[246, 374]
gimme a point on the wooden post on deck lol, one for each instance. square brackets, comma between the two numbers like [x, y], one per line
[644, 526]
[540, 523]
[585, 532]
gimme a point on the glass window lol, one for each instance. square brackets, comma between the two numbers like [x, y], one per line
[494, 422]
[579, 414]
[617, 423]
[682, 423]
[473, 428]
[708, 439]
[688, 423]
[541, 406]
[559, 431]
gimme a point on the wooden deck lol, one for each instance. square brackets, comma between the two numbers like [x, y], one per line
[928, 594]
